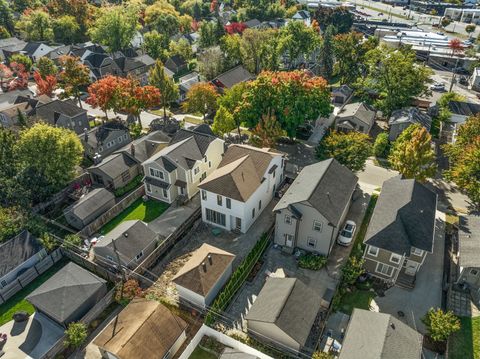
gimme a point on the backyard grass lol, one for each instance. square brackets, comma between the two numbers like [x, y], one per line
[356, 299]
[200, 353]
[465, 344]
[18, 301]
[144, 211]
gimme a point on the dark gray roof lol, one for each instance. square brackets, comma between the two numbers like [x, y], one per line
[11, 41]
[100, 133]
[326, 185]
[200, 136]
[404, 217]
[373, 335]
[410, 115]
[31, 47]
[345, 90]
[66, 291]
[67, 108]
[17, 250]
[96, 59]
[232, 77]
[469, 241]
[289, 304]
[146, 146]
[360, 111]
[91, 202]
[463, 108]
[302, 14]
[252, 23]
[114, 165]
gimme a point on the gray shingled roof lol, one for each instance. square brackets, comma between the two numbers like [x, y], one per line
[232, 77]
[146, 146]
[404, 217]
[114, 165]
[326, 185]
[90, 202]
[202, 139]
[360, 111]
[373, 335]
[17, 250]
[463, 108]
[469, 241]
[289, 304]
[66, 291]
[67, 108]
[410, 115]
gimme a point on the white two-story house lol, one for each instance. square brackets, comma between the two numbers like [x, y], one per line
[245, 182]
[178, 169]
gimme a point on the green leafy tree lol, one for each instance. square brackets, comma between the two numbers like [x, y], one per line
[349, 52]
[36, 25]
[381, 147]
[163, 17]
[325, 57]
[340, 17]
[201, 98]
[445, 21]
[23, 60]
[256, 48]
[208, 34]
[76, 334]
[267, 132]
[350, 149]
[6, 17]
[74, 77]
[12, 221]
[230, 46]
[66, 30]
[470, 28]
[46, 67]
[352, 269]
[155, 44]
[412, 154]
[182, 48]
[232, 101]
[115, 27]
[223, 122]
[444, 113]
[168, 89]
[11, 193]
[298, 41]
[395, 76]
[51, 152]
[322, 355]
[210, 63]
[72, 241]
[48, 242]
[440, 325]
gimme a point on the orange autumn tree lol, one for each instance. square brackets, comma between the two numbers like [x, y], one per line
[267, 132]
[105, 93]
[45, 86]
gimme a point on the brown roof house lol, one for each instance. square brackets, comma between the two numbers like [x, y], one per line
[284, 313]
[144, 329]
[242, 186]
[206, 272]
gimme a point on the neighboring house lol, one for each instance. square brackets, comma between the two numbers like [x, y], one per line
[115, 171]
[302, 15]
[9, 46]
[235, 194]
[58, 52]
[469, 254]
[100, 65]
[312, 211]
[105, 139]
[176, 64]
[68, 295]
[146, 146]
[341, 94]
[372, 335]
[136, 67]
[178, 169]
[252, 24]
[460, 112]
[17, 255]
[401, 119]
[474, 80]
[232, 77]
[401, 231]
[185, 83]
[143, 329]
[9, 116]
[89, 207]
[356, 116]
[202, 277]
[283, 313]
[35, 50]
[64, 114]
[132, 240]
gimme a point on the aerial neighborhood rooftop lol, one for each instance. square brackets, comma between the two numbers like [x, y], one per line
[240, 180]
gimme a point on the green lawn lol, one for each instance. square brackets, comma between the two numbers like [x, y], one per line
[199, 353]
[357, 299]
[465, 344]
[18, 302]
[144, 211]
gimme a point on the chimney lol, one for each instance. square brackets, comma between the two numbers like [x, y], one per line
[204, 266]
[210, 259]
[85, 134]
[132, 150]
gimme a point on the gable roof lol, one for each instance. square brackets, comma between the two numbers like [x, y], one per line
[100, 133]
[410, 115]
[180, 154]
[232, 77]
[146, 146]
[66, 291]
[289, 304]
[89, 203]
[199, 279]
[373, 335]
[114, 165]
[469, 241]
[201, 137]
[67, 108]
[144, 329]
[360, 111]
[240, 172]
[17, 250]
[404, 217]
[302, 14]
[345, 90]
[326, 185]
[463, 108]
[252, 23]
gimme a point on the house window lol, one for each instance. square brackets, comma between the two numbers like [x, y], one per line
[4, 283]
[165, 193]
[473, 272]
[311, 242]
[100, 149]
[126, 176]
[259, 205]
[204, 195]
[317, 226]
[229, 203]
[205, 159]
[209, 164]
[373, 251]
[196, 170]
[120, 139]
[215, 217]
[109, 144]
[417, 252]
[253, 212]
[384, 269]
[288, 219]
[360, 128]
[395, 258]
[273, 173]
[157, 173]
[139, 255]
[149, 188]
[125, 136]
[219, 200]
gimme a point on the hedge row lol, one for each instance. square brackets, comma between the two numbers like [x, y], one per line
[237, 279]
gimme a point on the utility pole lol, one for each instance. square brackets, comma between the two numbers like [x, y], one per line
[453, 75]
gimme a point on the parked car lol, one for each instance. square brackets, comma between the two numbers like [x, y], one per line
[437, 87]
[346, 235]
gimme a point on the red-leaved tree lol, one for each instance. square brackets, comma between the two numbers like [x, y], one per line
[105, 94]
[45, 86]
[235, 28]
[20, 77]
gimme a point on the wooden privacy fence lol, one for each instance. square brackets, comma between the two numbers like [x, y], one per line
[29, 275]
[113, 212]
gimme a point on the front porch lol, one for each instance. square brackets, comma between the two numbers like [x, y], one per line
[405, 280]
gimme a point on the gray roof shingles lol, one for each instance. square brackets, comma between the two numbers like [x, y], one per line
[90, 202]
[469, 241]
[17, 250]
[410, 115]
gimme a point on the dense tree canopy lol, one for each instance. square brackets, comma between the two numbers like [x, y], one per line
[168, 89]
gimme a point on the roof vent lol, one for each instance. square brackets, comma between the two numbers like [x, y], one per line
[125, 234]
[392, 325]
[204, 266]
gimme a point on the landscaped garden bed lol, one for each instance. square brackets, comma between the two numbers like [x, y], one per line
[312, 261]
